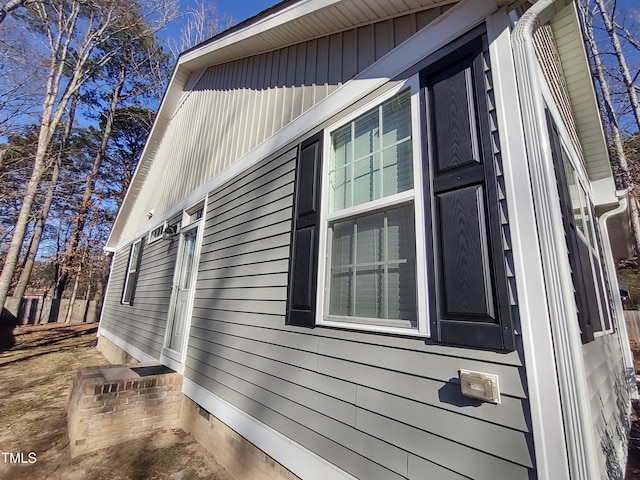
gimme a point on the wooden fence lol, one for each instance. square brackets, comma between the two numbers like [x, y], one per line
[39, 310]
[632, 319]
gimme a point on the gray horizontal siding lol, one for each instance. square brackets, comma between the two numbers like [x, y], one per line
[379, 407]
[237, 105]
[142, 324]
[609, 400]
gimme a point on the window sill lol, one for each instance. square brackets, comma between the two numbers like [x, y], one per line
[367, 327]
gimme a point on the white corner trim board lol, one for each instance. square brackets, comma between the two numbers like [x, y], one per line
[135, 352]
[296, 458]
[451, 25]
[537, 341]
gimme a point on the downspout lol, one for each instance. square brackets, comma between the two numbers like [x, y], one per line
[574, 397]
[623, 204]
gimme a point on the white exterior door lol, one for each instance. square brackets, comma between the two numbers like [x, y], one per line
[183, 286]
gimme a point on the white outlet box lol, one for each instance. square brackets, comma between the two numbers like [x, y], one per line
[479, 385]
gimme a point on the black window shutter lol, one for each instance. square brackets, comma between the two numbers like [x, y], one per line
[303, 260]
[579, 255]
[468, 283]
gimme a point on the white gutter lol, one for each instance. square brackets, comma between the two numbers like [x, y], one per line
[579, 434]
[623, 336]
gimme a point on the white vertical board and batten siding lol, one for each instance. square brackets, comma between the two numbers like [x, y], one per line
[376, 406]
[236, 105]
[142, 325]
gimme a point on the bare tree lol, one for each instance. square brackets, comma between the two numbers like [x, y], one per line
[43, 214]
[627, 79]
[10, 6]
[134, 70]
[611, 118]
[202, 21]
[79, 36]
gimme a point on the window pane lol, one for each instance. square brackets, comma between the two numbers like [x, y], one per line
[574, 193]
[366, 179]
[397, 169]
[369, 301]
[341, 302]
[366, 136]
[187, 258]
[340, 188]
[373, 271]
[365, 167]
[342, 245]
[134, 257]
[342, 148]
[396, 119]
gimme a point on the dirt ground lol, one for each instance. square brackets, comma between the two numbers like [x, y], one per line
[35, 373]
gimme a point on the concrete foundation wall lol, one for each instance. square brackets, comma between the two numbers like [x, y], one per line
[113, 353]
[238, 456]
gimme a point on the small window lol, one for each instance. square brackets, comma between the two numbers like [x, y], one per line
[156, 233]
[131, 277]
[192, 215]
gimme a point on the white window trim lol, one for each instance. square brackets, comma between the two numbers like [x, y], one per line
[153, 239]
[414, 196]
[128, 272]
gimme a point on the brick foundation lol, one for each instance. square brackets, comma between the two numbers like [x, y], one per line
[239, 457]
[112, 404]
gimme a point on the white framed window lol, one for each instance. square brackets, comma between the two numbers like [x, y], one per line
[131, 277]
[586, 225]
[192, 214]
[372, 229]
[156, 233]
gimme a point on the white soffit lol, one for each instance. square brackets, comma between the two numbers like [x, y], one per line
[285, 24]
[297, 22]
[566, 30]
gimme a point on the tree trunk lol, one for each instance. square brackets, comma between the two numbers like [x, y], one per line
[85, 204]
[622, 61]
[74, 295]
[25, 275]
[13, 252]
[53, 106]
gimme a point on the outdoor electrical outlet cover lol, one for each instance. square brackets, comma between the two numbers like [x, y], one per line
[479, 385]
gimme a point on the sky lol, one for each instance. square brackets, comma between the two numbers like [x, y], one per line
[242, 9]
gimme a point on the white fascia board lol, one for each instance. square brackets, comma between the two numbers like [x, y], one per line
[276, 19]
[451, 25]
[296, 458]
